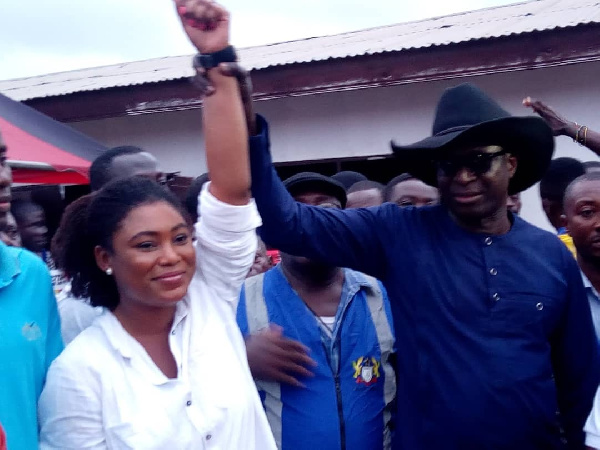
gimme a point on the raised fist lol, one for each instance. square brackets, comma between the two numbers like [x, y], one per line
[206, 23]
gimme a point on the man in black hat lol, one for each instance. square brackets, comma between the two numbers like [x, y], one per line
[490, 311]
[341, 395]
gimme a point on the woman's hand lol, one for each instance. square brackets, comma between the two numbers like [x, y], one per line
[206, 23]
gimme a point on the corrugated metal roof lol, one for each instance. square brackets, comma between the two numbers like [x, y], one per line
[535, 15]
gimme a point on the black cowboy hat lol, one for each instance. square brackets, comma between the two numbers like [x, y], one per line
[310, 181]
[465, 115]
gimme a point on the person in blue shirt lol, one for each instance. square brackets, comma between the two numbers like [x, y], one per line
[582, 215]
[345, 400]
[29, 331]
[489, 311]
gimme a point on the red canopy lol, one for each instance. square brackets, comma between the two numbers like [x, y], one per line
[42, 150]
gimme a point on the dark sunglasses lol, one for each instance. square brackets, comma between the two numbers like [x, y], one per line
[478, 163]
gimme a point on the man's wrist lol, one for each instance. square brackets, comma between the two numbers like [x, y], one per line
[211, 60]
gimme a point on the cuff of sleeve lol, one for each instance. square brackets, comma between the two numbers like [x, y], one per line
[262, 135]
[223, 216]
[592, 440]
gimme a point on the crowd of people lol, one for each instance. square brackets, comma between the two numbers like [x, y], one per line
[318, 312]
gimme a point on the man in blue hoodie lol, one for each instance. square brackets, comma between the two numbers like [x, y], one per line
[343, 317]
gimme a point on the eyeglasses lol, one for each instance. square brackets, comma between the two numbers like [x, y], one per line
[478, 163]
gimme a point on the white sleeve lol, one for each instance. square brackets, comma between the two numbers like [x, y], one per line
[592, 425]
[226, 243]
[70, 410]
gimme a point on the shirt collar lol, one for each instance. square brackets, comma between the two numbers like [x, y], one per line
[355, 280]
[10, 266]
[121, 340]
[517, 225]
[589, 287]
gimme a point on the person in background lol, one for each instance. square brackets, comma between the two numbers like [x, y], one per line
[405, 190]
[560, 174]
[582, 213]
[365, 194]
[29, 331]
[348, 178]
[124, 162]
[338, 394]
[191, 196]
[514, 203]
[31, 223]
[9, 232]
[165, 367]
[262, 261]
[564, 127]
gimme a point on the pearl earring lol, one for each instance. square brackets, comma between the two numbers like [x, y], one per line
[109, 271]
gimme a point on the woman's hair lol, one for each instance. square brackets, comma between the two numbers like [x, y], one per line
[93, 220]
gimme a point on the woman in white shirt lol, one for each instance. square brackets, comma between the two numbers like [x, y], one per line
[165, 366]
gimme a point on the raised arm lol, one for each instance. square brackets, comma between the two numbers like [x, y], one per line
[355, 238]
[226, 237]
[564, 127]
[207, 26]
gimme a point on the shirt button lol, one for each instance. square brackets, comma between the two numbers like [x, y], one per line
[493, 271]
[172, 332]
[189, 402]
[539, 306]
[208, 437]
[488, 241]
[496, 296]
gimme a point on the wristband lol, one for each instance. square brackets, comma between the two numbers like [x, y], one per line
[211, 60]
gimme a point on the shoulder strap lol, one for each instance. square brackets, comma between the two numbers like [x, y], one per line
[258, 318]
[256, 306]
[386, 345]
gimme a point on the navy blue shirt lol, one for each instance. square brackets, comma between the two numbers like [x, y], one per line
[494, 333]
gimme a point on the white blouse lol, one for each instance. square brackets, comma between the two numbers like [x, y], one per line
[105, 392]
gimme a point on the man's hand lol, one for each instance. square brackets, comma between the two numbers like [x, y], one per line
[234, 70]
[559, 125]
[206, 23]
[273, 357]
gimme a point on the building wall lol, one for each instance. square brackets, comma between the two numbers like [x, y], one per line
[361, 123]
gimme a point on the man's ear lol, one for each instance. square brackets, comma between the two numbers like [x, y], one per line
[512, 163]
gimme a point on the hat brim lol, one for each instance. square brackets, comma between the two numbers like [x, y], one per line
[529, 139]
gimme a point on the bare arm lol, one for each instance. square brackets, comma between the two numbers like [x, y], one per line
[226, 135]
[564, 127]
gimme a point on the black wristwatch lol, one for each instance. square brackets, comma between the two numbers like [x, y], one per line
[211, 60]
